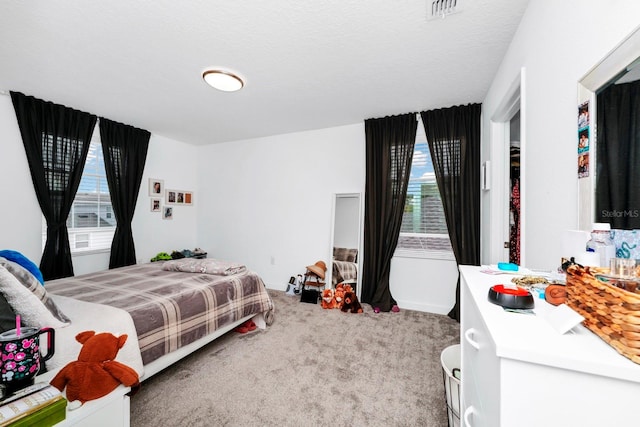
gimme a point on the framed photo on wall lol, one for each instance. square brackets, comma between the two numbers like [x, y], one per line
[188, 198]
[167, 212]
[156, 187]
[155, 204]
[171, 197]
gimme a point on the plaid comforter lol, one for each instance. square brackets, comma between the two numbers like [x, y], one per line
[170, 309]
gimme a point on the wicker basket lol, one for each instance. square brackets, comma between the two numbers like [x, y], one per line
[610, 312]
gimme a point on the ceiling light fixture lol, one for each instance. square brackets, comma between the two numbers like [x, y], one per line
[223, 80]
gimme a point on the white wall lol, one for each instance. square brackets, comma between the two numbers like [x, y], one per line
[21, 217]
[556, 44]
[174, 163]
[270, 199]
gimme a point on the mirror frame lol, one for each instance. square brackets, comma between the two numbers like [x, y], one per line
[614, 63]
[360, 238]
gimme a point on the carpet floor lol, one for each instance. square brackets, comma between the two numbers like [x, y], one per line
[311, 367]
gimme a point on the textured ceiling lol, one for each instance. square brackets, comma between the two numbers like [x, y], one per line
[308, 65]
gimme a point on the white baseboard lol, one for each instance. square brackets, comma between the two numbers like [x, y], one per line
[427, 308]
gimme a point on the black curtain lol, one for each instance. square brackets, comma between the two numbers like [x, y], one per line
[618, 156]
[389, 153]
[56, 140]
[453, 135]
[125, 152]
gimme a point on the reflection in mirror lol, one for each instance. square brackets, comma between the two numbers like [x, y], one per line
[345, 240]
[617, 194]
[606, 192]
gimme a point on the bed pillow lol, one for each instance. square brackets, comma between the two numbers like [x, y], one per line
[25, 262]
[28, 297]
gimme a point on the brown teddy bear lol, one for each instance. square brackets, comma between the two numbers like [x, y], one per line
[351, 303]
[328, 300]
[95, 373]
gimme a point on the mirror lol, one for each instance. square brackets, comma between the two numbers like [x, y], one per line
[617, 195]
[619, 63]
[346, 237]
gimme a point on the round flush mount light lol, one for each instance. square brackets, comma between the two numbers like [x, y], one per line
[223, 80]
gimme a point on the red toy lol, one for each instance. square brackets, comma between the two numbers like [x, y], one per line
[95, 373]
[351, 303]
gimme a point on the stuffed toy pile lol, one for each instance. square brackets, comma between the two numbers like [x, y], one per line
[342, 297]
[95, 373]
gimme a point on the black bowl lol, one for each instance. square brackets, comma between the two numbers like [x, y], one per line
[511, 298]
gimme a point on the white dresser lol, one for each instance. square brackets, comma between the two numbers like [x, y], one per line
[517, 371]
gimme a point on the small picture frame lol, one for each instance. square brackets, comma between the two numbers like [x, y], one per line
[156, 187]
[188, 198]
[155, 204]
[171, 197]
[167, 212]
[179, 197]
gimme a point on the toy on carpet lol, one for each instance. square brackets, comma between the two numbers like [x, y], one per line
[338, 295]
[95, 374]
[328, 299]
[351, 303]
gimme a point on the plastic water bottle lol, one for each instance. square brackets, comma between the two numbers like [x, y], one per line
[601, 243]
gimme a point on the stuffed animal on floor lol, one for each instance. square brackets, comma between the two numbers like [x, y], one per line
[351, 303]
[95, 373]
[338, 295]
[328, 300]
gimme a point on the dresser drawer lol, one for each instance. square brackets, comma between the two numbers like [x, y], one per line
[480, 368]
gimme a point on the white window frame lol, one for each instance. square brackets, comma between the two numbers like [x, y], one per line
[404, 252]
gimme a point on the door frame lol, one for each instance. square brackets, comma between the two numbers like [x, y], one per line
[512, 102]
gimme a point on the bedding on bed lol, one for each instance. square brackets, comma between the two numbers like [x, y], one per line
[170, 309]
[208, 265]
[93, 317]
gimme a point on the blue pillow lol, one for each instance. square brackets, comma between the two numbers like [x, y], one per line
[25, 262]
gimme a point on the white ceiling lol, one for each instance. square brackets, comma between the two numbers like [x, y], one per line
[307, 64]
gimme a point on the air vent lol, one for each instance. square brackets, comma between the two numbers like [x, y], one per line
[442, 8]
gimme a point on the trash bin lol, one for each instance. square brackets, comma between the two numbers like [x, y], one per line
[451, 374]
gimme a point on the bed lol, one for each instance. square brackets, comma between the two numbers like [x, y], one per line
[172, 304]
[167, 309]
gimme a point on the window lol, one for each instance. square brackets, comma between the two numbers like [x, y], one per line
[91, 222]
[424, 229]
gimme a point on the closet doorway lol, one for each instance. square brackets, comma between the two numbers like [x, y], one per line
[514, 189]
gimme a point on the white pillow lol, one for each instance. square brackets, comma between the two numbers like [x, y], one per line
[32, 310]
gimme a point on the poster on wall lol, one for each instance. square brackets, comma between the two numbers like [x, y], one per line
[583, 140]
